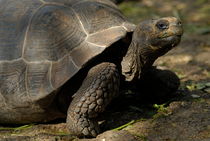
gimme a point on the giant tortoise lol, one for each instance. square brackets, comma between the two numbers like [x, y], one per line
[66, 58]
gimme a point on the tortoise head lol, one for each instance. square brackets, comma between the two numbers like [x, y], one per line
[159, 35]
[151, 39]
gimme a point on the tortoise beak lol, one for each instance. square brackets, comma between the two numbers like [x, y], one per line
[175, 26]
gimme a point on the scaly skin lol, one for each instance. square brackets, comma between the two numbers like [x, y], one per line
[98, 89]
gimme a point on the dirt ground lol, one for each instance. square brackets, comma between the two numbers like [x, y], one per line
[185, 116]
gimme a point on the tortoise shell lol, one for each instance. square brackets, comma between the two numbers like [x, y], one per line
[43, 43]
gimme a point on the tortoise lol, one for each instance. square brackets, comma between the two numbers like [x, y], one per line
[66, 58]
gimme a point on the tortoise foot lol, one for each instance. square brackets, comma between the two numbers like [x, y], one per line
[83, 126]
[98, 89]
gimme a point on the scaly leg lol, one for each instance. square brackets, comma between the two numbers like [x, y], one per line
[99, 87]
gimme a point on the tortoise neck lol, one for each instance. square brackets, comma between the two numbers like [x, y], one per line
[131, 62]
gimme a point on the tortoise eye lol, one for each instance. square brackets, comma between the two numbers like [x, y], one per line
[162, 24]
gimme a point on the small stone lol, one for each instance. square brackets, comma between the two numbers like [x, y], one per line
[100, 101]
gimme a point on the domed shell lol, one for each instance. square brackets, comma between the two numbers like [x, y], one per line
[43, 43]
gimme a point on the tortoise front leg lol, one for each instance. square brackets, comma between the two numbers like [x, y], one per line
[97, 90]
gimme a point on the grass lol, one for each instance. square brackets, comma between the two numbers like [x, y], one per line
[17, 128]
[160, 108]
[128, 124]
[124, 126]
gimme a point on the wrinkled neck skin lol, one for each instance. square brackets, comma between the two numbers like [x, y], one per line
[138, 58]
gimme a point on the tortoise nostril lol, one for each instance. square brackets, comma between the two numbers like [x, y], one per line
[179, 23]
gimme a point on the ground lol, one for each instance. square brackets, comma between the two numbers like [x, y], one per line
[183, 117]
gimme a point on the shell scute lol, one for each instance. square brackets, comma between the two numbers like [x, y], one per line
[14, 19]
[53, 33]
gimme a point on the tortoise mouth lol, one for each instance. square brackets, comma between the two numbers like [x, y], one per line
[166, 42]
[172, 40]
[172, 36]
